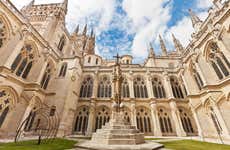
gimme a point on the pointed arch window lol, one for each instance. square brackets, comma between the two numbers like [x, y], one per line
[215, 121]
[144, 120]
[24, 61]
[103, 116]
[3, 33]
[218, 61]
[158, 88]
[140, 89]
[177, 88]
[165, 122]
[61, 43]
[63, 70]
[81, 122]
[197, 77]
[87, 88]
[186, 121]
[125, 89]
[104, 87]
[30, 120]
[6, 99]
[46, 76]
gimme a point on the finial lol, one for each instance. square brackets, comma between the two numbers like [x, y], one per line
[177, 44]
[163, 47]
[85, 30]
[151, 51]
[65, 5]
[195, 19]
[77, 29]
[92, 34]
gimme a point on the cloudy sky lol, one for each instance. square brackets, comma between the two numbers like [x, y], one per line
[128, 26]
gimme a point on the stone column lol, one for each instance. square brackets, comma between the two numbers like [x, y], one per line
[167, 86]
[91, 119]
[221, 120]
[131, 90]
[198, 69]
[200, 133]
[149, 87]
[133, 114]
[176, 118]
[185, 84]
[42, 72]
[95, 86]
[155, 119]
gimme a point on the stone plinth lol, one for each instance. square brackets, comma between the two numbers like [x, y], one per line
[118, 134]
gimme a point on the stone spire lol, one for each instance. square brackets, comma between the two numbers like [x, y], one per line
[85, 30]
[163, 47]
[196, 22]
[151, 51]
[77, 29]
[65, 5]
[28, 6]
[177, 44]
[92, 33]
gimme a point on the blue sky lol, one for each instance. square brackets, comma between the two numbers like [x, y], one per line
[128, 26]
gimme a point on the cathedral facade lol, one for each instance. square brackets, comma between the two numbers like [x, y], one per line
[184, 92]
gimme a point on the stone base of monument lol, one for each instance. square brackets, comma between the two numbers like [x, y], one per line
[118, 135]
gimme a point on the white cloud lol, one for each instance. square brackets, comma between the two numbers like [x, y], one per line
[148, 18]
[204, 4]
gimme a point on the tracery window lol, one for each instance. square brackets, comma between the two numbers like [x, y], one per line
[125, 89]
[197, 77]
[6, 98]
[61, 43]
[165, 122]
[86, 88]
[81, 123]
[24, 61]
[46, 76]
[103, 116]
[218, 61]
[143, 119]
[215, 121]
[63, 70]
[186, 122]
[140, 89]
[176, 88]
[104, 87]
[3, 33]
[158, 88]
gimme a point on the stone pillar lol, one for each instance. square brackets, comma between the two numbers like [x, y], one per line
[185, 84]
[131, 90]
[176, 118]
[155, 119]
[167, 86]
[95, 86]
[42, 72]
[149, 87]
[198, 69]
[200, 133]
[91, 119]
[133, 114]
[221, 120]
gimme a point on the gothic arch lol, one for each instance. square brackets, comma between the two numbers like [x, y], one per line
[7, 26]
[103, 114]
[140, 87]
[86, 90]
[104, 87]
[144, 120]
[158, 86]
[8, 100]
[125, 91]
[187, 121]
[165, 120]
[81, 120]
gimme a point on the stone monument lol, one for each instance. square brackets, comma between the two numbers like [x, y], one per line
[118, 133]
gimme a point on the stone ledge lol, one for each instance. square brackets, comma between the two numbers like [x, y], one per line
[88, 145]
